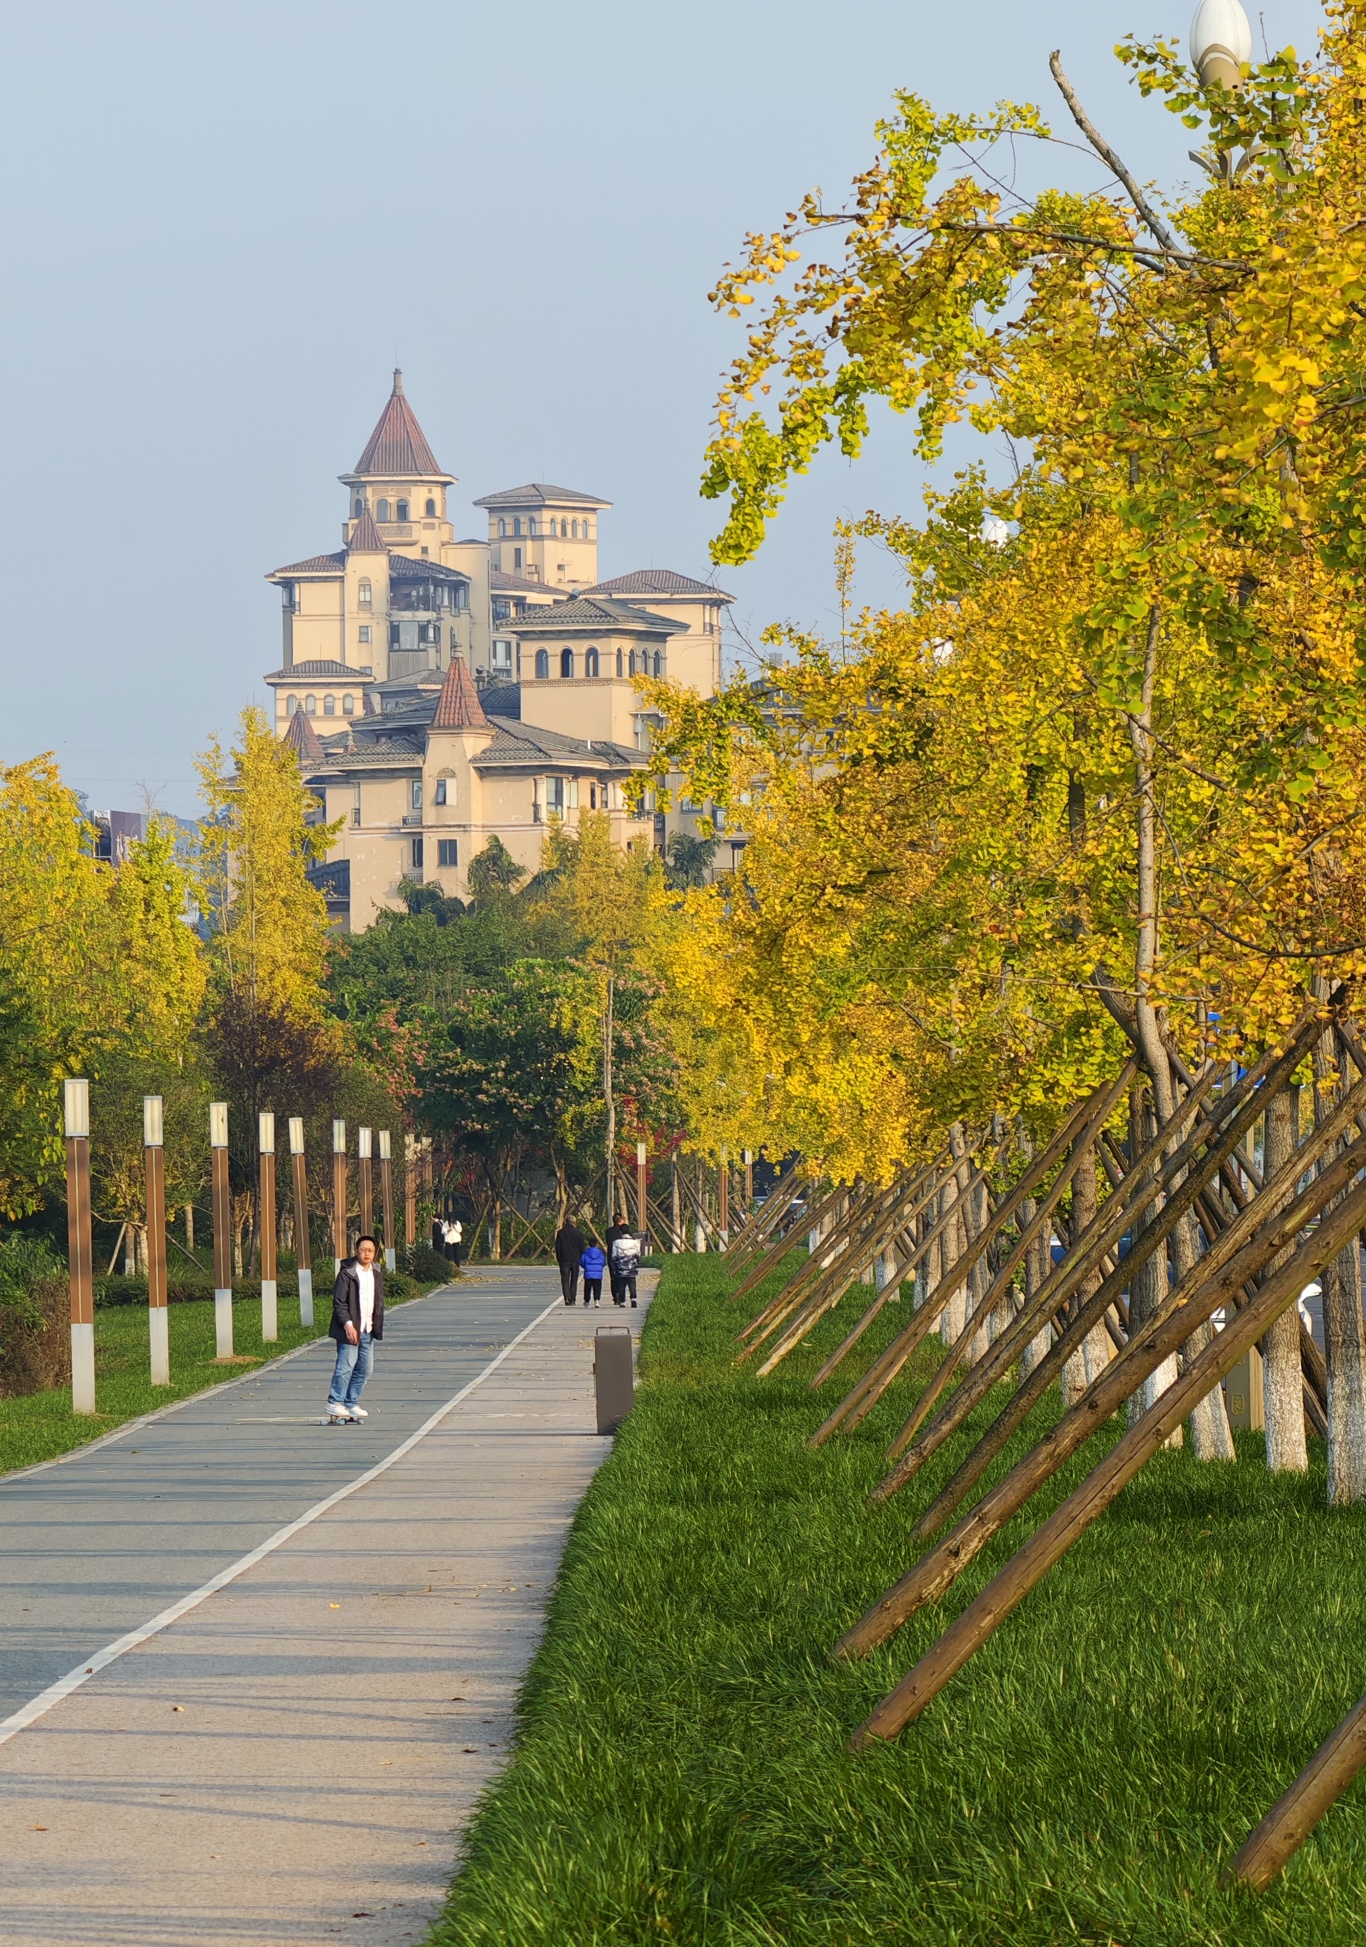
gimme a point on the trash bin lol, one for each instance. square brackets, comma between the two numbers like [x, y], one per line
[613, 1375]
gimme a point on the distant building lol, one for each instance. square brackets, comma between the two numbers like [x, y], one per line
[440, 692]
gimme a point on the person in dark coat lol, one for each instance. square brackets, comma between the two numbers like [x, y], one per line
[357, 1326]
[569, 1243]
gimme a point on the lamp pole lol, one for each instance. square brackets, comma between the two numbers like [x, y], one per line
[222, 1230]
[364, 1146]
[270, 1311]
[303, 1253]
[410, 1191]
[749, 1181]
[80, 1248]
[154, 1160]
[386, 1185]
[723, 1197]
[642, 1196]
[338, 1193]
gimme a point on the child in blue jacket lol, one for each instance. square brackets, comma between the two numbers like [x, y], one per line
[593, 1263]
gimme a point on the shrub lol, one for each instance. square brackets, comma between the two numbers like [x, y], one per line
[426, 1265]
[33, 1317]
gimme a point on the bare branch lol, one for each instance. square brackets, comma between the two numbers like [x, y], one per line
[1108, 156]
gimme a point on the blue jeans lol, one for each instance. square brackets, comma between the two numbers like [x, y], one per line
[351, 1372]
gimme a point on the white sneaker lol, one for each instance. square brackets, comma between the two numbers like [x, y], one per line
[338, 1415]
[359, 1413]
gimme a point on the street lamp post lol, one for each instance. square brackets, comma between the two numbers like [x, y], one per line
[154, 1160]
[1220, 42]
[338, 1194]
[386, 1186]
[303, 1252]
[270, 1311]
[364, 1146]
[222, 1230]
[642, 1191]
[410, 1191]
[80, 1248]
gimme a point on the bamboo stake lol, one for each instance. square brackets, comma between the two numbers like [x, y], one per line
[1050, 1542]
[1239, 1254]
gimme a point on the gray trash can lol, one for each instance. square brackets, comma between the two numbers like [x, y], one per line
[613, 1375]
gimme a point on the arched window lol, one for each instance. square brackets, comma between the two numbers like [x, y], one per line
[310, 706]
[566, 662]
[363, 595]
[292, 707]
[590, 663]
[360, 507]
[516, 523]
[403, 510]
[531, 524]
[348, 706]
[618, 662]
[431, 508]
[575, 527]
[502, 527]
[382, 510]
[659, 663]
[542, 662]
[329, 706]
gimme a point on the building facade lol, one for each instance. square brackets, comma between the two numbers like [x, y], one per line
[440, 692]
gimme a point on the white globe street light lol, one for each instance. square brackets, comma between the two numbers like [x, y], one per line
[1220, 43]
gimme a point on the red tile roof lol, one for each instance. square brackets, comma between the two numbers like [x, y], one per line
[302, 739]
[316, 564]
[366, 538]
[398, 446]
[459, 707]
[658, 581]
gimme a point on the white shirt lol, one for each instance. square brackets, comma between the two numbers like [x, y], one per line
[365, 1278]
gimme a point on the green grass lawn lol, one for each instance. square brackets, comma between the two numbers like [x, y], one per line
[681, 1773]
[40, 1426]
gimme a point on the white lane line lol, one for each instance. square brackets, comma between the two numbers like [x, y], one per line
[55, 1692]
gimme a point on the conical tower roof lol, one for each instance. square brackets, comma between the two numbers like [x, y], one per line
[398, 449]
[366, 539]
[459, 707]
[302, 739]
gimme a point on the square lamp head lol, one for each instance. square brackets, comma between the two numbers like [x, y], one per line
[266, 1131]
[385, 1147]
[296, 1135]
[153, 1122]
[363, 1143]
[218, 1125]
[76, 1107]
[338, 1138]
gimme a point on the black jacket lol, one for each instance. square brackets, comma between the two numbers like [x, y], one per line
[346, 1301]
[569, 1245]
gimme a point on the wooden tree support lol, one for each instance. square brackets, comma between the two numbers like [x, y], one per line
[1333, 1767]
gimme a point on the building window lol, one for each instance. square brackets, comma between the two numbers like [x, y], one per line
[502, 658]
[448, 851]
[416, 854]
[431, 508]
[403, 510]
[382, 510]
[554, 796]
[441, 784]
[517, 527]
[566, 662]
[516, 558]
[415, 794]
[659, 663]
[502, 527]
[618, 662]
[365, 631]
[360, 508]
[709, 621]
[311, 706]
[531, 525]
[363, 596]
[592, 797]
[542, 662]
[292, 706]
[348, 706]
[590, 663]
[329, 706]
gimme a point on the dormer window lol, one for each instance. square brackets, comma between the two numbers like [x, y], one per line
[382, 510]
[403, 510]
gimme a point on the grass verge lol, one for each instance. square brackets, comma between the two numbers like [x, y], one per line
[40, 1426]
[681, 1772]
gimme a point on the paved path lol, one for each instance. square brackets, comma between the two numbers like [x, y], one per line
[292, 1759]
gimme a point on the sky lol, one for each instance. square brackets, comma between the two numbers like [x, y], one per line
[223, 227]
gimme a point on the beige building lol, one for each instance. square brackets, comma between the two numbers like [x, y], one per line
[440, 692]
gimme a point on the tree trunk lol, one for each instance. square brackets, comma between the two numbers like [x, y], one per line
[675, 1209]
[189, 1227]
[1149, 1285]
[1086, 1363]
[1344, 1341]
[952, 1245]
[1036, 1268]
[1282, 1380]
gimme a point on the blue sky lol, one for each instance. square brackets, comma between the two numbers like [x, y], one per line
[222, 226]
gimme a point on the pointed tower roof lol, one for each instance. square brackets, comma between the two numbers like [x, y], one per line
[459, 707]
[366, 539]
[302, 739]
[398, 449]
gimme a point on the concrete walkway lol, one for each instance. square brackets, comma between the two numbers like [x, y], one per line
[292, 1760]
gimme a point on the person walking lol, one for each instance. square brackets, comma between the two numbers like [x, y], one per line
[570, 1244]
[593, 1262]
[357, 1326]
[623, 1259]
[455, 1234]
